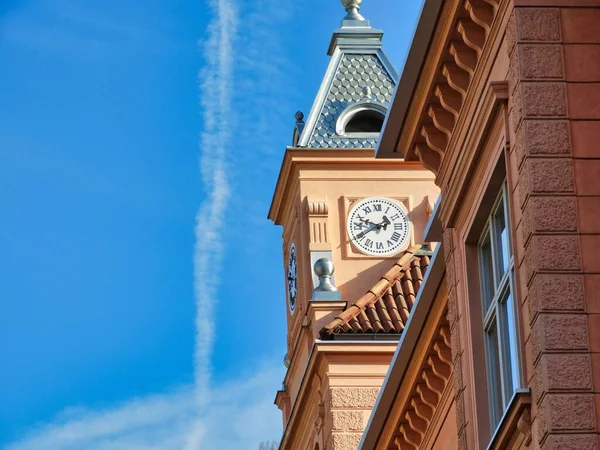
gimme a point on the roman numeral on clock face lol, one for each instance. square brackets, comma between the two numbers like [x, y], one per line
[358, 226]
[396, 237]
[377, 206]
[395, 217]
[368, 243]
[398, 226]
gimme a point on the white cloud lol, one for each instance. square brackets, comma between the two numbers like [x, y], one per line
[239, 415]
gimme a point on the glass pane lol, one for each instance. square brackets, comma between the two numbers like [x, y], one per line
[502, 239]
[486, 273]
[493, 375]
[510, 348]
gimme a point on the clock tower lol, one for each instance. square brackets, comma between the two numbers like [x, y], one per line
[348, 219]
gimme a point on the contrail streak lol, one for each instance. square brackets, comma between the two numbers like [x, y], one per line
[215, 97]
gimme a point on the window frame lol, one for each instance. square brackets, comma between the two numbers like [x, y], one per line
[499, 310]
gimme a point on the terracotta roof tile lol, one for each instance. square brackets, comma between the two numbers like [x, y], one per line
[386, 306]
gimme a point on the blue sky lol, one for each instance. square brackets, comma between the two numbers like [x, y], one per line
[142, 297]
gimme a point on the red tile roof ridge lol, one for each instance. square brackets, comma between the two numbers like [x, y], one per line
[400, 267]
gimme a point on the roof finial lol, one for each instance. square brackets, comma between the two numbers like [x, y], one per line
[352, 7]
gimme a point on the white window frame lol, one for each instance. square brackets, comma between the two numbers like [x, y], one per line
[499, 310]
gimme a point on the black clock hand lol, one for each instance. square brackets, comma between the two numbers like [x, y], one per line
[384, 224]
[365, 221]
[363, 233]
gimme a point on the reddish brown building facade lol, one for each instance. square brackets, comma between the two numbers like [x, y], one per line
[500, 99]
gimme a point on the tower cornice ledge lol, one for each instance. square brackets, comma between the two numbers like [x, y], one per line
[297, 159]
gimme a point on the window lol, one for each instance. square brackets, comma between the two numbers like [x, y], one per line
[496, 279]
[363, 119]
[367, 121]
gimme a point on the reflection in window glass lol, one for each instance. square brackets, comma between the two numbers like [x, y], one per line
[501, 225]
[486, 271]
[494, 380]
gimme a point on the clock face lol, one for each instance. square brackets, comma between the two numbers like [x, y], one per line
[292, 281]
[378, 226]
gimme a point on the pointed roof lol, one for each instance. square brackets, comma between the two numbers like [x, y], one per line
[386, 306]
[359, 77]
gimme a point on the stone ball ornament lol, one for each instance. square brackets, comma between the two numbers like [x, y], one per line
[352, 7]
[324, 269]
[324, 266]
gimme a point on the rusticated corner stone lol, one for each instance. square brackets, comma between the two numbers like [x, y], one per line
[549, 214]
[546, 176]
[556, 292]
[514, 75]
[537, 24]
[346, 441]
[519, 145]
[515, 105]
[544, 99]
[511, 35]
[547, 137]
[541, 61]
[353, 397]
[552, 253]
[559, 332]
[565, 372]
[566, 412]
[348, 420]
[571, 442]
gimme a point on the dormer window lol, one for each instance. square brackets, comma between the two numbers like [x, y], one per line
[364, 119]
[367, 121]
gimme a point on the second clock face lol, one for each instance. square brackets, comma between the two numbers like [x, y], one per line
[292, 281]
[378, 226]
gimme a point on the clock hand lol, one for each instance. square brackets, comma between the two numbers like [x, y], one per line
[365, 221]
[384, 224]
[363, 233]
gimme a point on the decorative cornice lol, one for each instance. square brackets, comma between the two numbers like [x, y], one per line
[448, 94]
[463, 41]
[426, 393]
[296, 158]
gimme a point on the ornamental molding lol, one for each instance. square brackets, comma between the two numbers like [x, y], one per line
[318, 225]
[428, 392]
[460, 53]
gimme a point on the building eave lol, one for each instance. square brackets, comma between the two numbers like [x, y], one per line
[404, 92]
